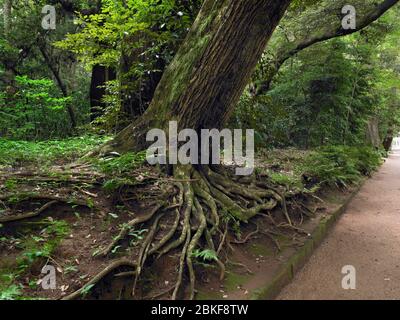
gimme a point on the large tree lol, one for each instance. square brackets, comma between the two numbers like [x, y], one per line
[318, 21]
[202, 85]
[200, 89]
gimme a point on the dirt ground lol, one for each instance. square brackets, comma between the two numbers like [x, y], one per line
[366, 237]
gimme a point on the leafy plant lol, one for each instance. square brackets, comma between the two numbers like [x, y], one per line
[10, 293]
[339, 165]
[122, 164]
[34, 111]
[205, 255]
[46, 152]
[33, 249]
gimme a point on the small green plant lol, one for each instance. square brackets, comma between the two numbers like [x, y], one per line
[33, 248]
[11, 184]
[46, 152]
[136, 235]
[114, 184]
[42, 247]
[286, 180]
[70, 269]
[206, 255]
[122, 164]
[86, 290]
[10, 293]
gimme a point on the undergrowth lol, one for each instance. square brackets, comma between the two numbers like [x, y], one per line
[14, 153]
[33, 249]
[339, 165]
[118, 170]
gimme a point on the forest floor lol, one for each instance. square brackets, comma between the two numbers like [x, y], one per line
[57, 212]
[366, 237]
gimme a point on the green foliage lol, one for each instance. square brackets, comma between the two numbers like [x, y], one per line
[327, 93]
[114, 184]
[42, 247]
[137, 236]
[103, 35]
[45, 152]
[34, 111]
[122, 164]
[33, 249]
[86, 290]
[136, 38]
[339, 165]
[10, 293]
[205, 255]
[289, 181]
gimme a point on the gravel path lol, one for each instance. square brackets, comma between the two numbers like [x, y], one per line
[367, 237]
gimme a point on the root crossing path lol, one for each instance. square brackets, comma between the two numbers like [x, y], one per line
[367, 237]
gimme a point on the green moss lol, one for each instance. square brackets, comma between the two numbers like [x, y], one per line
[283, 240]
[208, 295]
[261, 250]
[234, 280]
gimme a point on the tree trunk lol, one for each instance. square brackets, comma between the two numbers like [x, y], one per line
[204, 82]
[7, 16]
[60, 83]
[372, 133]
[100, 75]
[9, 72]
[387, 142]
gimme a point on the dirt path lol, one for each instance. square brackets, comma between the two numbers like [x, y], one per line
[366, 237]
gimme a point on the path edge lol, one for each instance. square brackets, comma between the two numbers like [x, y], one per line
[286, 272]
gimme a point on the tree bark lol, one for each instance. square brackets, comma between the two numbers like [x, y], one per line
[204, 82]
[7, 16]
[9, 72]
[285, 51]
[387, 142]
[372, 133]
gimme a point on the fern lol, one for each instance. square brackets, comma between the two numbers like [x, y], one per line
[205, 255]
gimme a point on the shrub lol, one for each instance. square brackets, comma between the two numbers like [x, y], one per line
[34, 111]
[339, 165]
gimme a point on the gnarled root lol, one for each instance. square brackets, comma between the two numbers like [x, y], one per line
[206, 201]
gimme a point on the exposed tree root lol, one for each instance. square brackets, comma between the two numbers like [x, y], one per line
[53, 200]
[202, 199]
[204, 203]
[127, 227]
[106, 271]
[29, 214]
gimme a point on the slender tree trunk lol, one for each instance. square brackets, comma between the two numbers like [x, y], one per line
[60, 83]
[7, 16]
[9, 72]
[204, 82]
[372, 133]
[387, 142]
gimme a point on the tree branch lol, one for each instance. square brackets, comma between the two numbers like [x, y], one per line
[285, 53]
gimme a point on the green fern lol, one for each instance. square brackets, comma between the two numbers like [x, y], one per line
[205, 255]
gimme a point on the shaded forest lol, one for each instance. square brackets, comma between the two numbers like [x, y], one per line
[83, 82]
